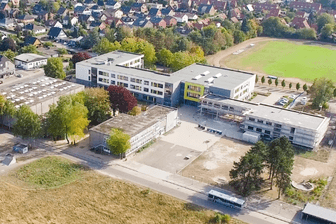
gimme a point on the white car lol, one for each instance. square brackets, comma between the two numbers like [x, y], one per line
[292, 96]
[284, 100]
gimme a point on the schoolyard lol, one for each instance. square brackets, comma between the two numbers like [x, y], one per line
[303, 60]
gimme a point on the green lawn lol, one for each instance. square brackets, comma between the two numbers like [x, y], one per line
[287, 59]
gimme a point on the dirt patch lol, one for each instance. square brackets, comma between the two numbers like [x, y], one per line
[214, 165]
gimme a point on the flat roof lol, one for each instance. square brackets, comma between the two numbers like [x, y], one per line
[132, 125]
[28, 57]
[213, 76]
[33, 91]
[118, 58]
[274, 113]
[320, 212]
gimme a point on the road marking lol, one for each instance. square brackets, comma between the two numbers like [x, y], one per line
[173, 146]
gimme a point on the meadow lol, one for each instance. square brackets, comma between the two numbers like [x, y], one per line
[55, 190]
[286, 59]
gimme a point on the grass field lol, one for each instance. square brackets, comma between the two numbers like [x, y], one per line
[77, 195]
[287, 59]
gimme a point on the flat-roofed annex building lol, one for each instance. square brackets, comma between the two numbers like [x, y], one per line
[142, 128]
[29, 61]
[38, 93]
[270, 122]
[183, 86]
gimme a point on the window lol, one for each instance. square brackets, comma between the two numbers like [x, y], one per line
[259, 130]
[291, 138]
[112, 75]
[193, 95]
[112, 82]
[210, 104]
[89, 78]
[237, 90]
[251, 119]
[269, 123]
[122, 77]
[267, 132]
[225, 107]
[146, 90]
[154, 84]
[194, 88]
[216, 105]
[122, 84]
[89, 72]
[146, 83]
[103, 73]
[292, 130]
[277, 129]
[136, 80]
[104, 80]
[231, 109]
[260, 121]
[277, 125]
[160, 93]
[250, 128]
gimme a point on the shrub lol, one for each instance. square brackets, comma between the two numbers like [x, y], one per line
[143, 108]
[135, 111]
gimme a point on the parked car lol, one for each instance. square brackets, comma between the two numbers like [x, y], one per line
[1, 81]
[284, 100]
[292, 96]
[19, 75]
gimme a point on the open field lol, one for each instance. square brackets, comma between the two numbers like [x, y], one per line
[87, 197]
[286, 59]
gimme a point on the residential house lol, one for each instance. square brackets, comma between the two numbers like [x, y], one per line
[16, 3]
[113, 13]
[300, 23]
[7, 67]
[26, 19]
[305, 6]
[85, 18]
[220, 5]
[181, 17]
[56, 33]
[302, 14]
[45, 15]
[206, 9]
[154, 5]
[154, 12]
[101, 3]
[30, 61]
[35, 29]
[234, 20]
[158, 22]
[142, 23]
[37, 8]
[7, 23]
[68, 20]
[126, 10]
[62, 12]
[5, 8]
[192, 16]
[89, 3]
[97, 8]
[139, 7]
[14, 12]
[97, 24]
[79, 10]
[112, 4]
[259, 7]
[97, 15]
[29, 40]
[167, 12]
[185, 4]
[127, 20]
[236, 13]
[273, 13]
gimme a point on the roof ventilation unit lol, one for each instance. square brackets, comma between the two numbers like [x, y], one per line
[197, 77]
[210, 80]
[217, 75]
[205, 73]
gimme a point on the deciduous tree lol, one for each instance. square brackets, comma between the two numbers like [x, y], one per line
[27, 124]
[263, 79]
[81, 56]
[54, 68]
[269, 81]
[118, 142]
[321, 91]
[298, 86]
[121, 99]
[283, 83]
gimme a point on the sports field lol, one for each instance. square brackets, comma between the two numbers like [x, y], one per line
[286, 59]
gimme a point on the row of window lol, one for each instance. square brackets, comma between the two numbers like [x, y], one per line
[159, 85]
[136, 80]
[224, 107]
[262, 122]
[135, 87]
[193, 95]
[104, 73]
[122, 77]
[194, 88]
[104, 80]
[156, 92]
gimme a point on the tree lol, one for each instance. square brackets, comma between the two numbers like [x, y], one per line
[55, 7]
[276, 82]
[118, 142]
[256, 79]
[68, 118]
[104, 46]
[324, 19]
[90, 40]
[54, 68]
[298, 86]
[284, 171]
[321, 91]
[273, 27]
[9, 54]
[238, 36]
[165, 57]
[81, 56]
[97, 102]
[283, 83]
[263, 79]
[307, 33]
[181, 60]
[135, 111]
[269, 81]
[305, 87]
[279, 156]
[62, 51]
[334, 93]
[327, 30]
[7, 43]
[29, 49]
[7, 108]
[121, 99]
[245, 174]
[28, 124]
[290, 85]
